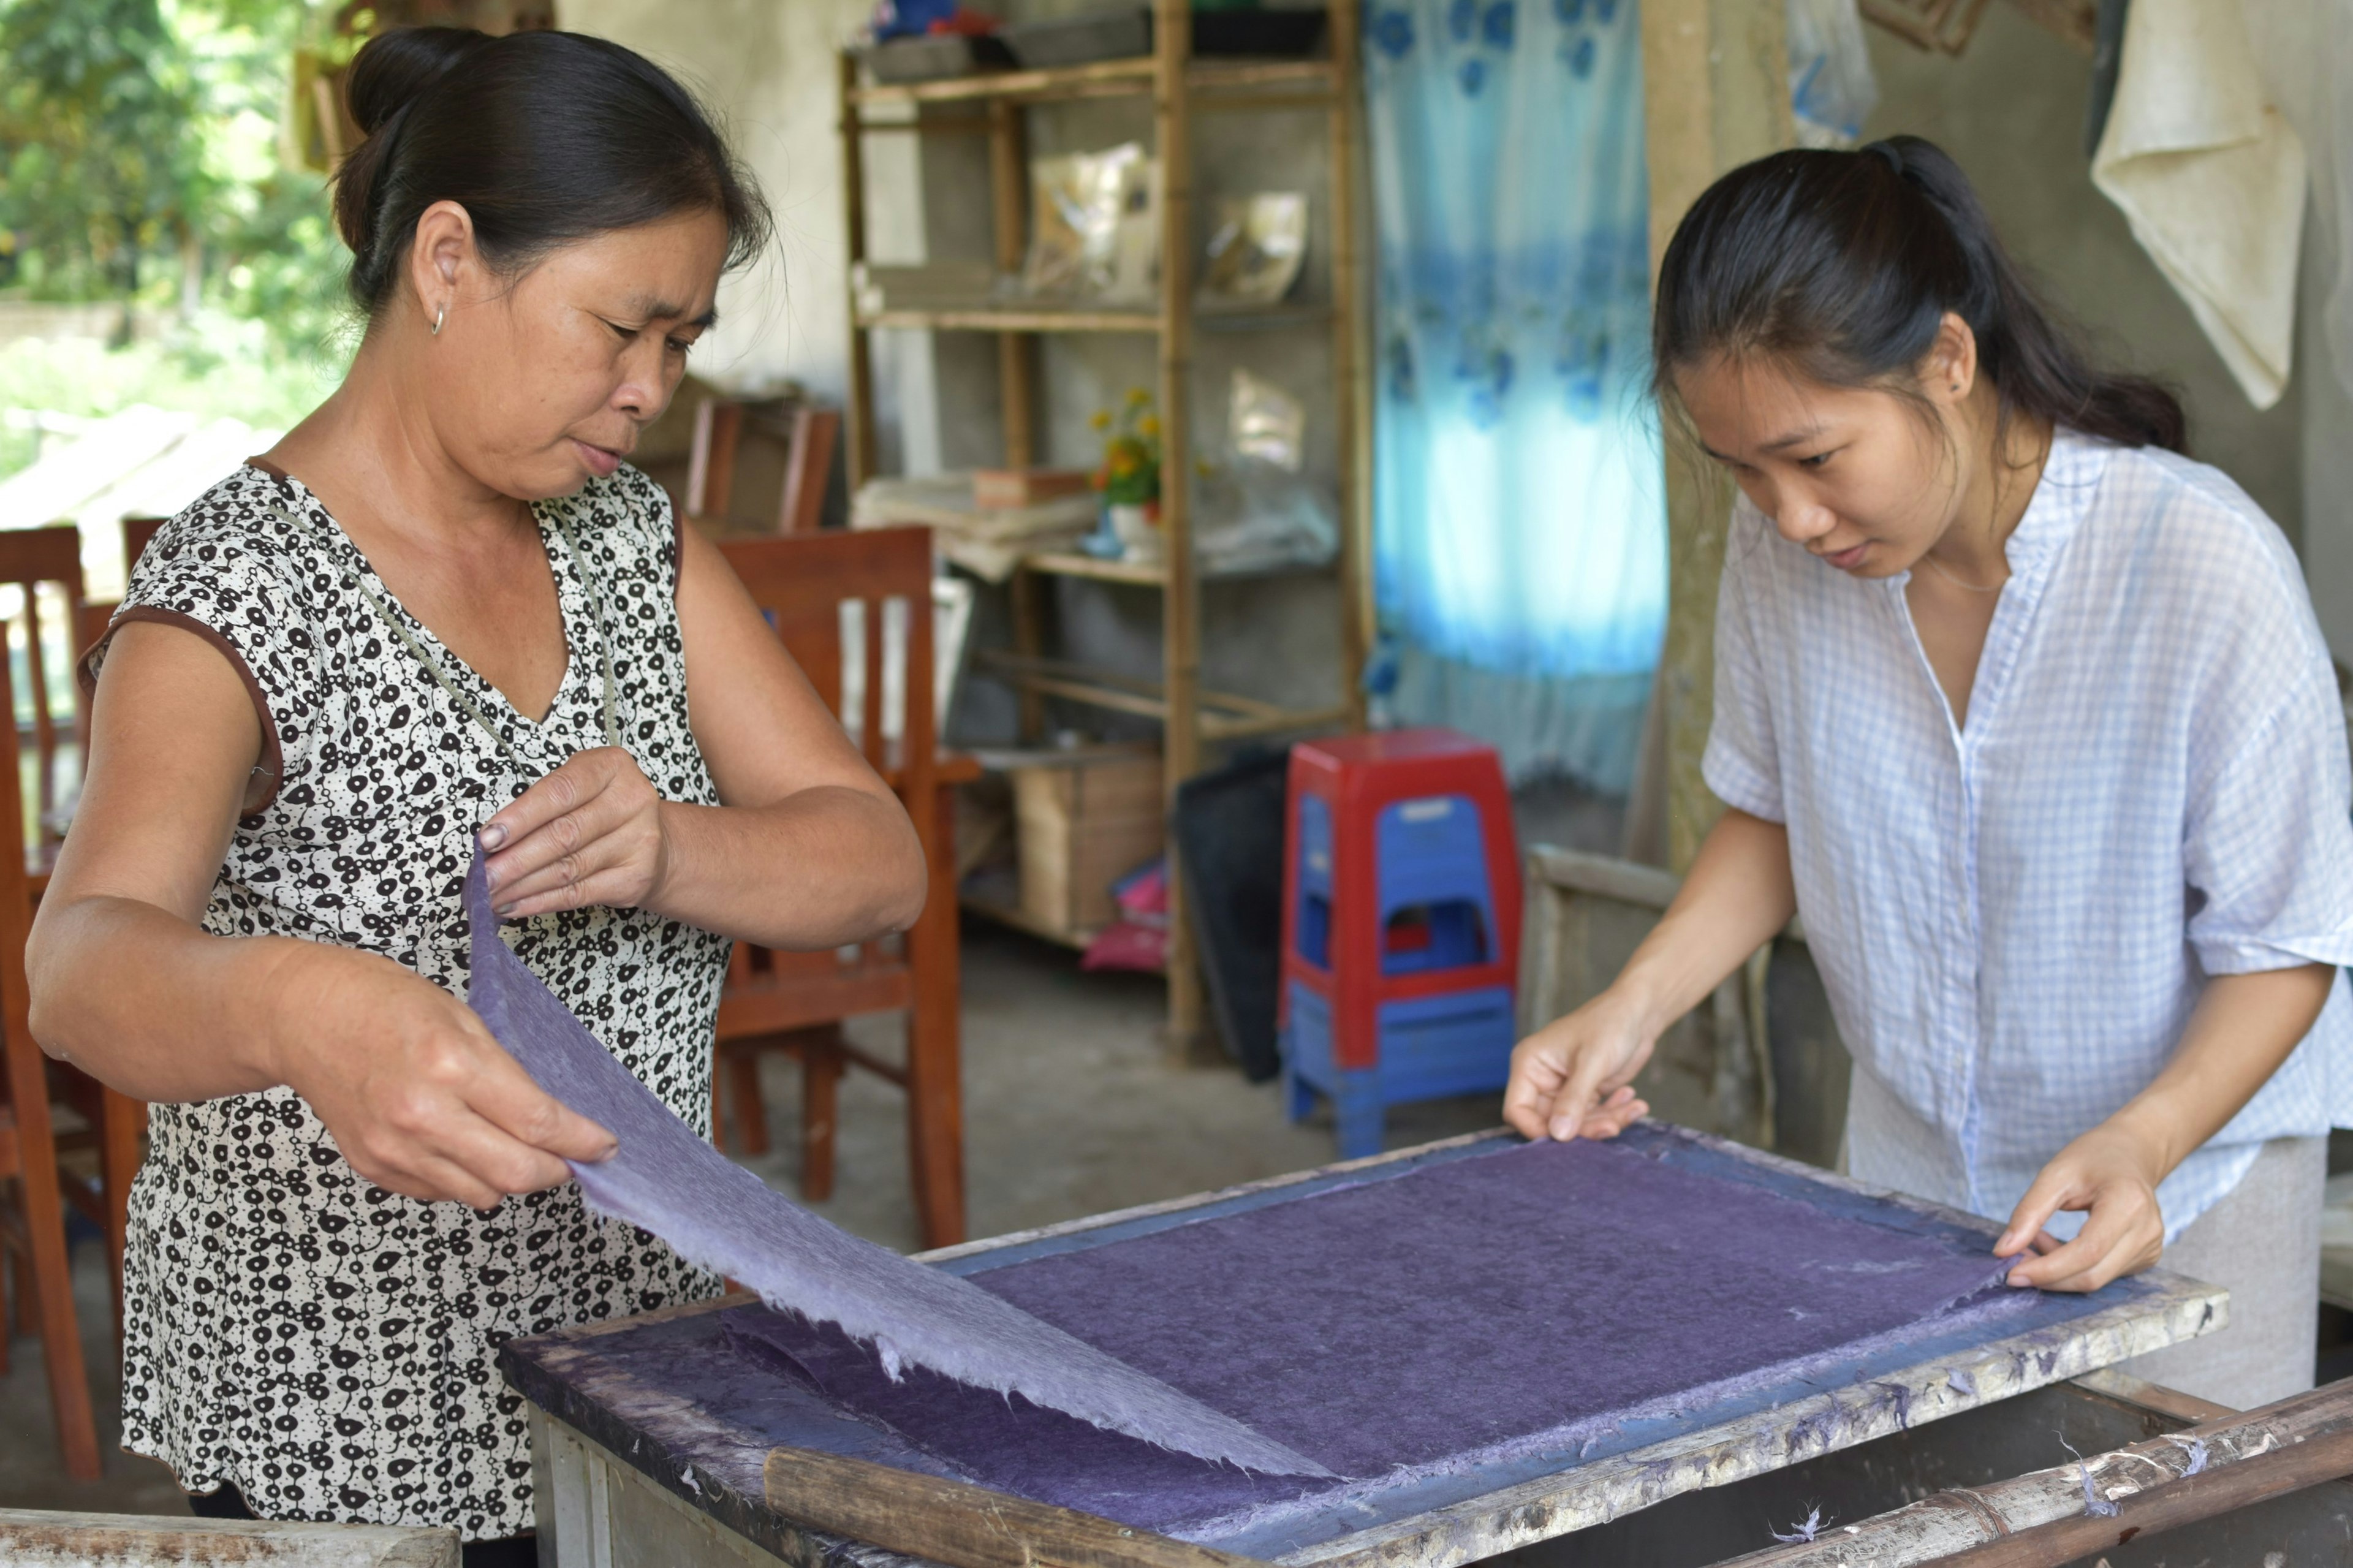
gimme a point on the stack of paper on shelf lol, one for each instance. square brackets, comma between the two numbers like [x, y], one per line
[988, 542]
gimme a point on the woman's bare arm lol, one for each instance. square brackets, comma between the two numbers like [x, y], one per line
[2243, 1027]
[127, 984]
[808, 850]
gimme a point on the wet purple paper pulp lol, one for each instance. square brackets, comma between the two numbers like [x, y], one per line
[1405, 1322]
[666, 1180]
[1410, 1321]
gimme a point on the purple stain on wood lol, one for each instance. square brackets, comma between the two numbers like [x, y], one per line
[2196, 1449]
[2094, 1505]
[666, 1180]
[1385, 1327]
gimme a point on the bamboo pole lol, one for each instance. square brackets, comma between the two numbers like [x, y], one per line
[1716, 94]
[858, 406]
[2170, 1506]
[1007, 173]
[1180, 605]
[1349, 401]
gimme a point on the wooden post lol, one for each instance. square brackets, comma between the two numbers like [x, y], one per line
[1008, 210]
[859, 402]
[1017, 357]
[1715, 93]
[1349, 402]
[1180, 612]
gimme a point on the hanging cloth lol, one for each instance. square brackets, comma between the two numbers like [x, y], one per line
[2212, 176]
[1519, 519]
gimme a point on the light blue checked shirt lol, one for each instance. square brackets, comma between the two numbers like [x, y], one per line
[2013, 920]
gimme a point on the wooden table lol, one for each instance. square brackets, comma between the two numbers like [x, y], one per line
[651, 1447]
[53, 1539]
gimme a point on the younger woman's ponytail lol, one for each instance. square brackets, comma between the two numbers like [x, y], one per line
[1842, 265]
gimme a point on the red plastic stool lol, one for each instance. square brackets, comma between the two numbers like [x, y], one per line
[1401, 926]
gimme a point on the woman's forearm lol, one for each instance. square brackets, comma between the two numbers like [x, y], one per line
[1738, 896]
[2242, 1028]
[823, 867]
[156, 1007]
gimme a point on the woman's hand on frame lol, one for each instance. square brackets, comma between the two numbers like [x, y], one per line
[1573, 1078]
[420, 1098]
[2108, 1172]
[589, 833]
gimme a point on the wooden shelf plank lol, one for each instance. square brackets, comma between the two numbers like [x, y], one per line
[1219, 728]
[981, 317]
[1222, 715]
[1012, 319]
[1070, 564]
[1064, 81]
[1270, 319]
[1233, 79]
[1153, 574]
[1238, 76]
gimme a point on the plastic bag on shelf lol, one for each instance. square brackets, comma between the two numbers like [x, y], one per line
[1259, 511]
[1255, 250]
[1832, 90]
[1095, 229]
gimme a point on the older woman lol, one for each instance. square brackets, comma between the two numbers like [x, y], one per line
[442, 606]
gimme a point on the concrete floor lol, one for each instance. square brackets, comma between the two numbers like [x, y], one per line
[1072, 1104]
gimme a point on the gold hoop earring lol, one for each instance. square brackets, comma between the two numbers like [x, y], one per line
[439, 317]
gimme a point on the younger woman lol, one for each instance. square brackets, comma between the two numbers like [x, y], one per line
[2028, 715]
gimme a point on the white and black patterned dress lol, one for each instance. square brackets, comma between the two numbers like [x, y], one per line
[325, 1344]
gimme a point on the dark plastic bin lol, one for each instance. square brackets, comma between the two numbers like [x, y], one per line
[1280, 34]
[932, 59]
[1229, 826]
[1115, 35]
[1124, 32]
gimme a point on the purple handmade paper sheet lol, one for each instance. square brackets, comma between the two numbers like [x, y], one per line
[666, 1180]
[1409, 1324]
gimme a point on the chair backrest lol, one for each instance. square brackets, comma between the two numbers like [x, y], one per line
[137, 533]
[32, 559]
[810, 434]
[16, 886]
[816, 433]
[803, 584]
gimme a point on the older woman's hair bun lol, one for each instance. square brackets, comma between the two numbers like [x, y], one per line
[544, 138]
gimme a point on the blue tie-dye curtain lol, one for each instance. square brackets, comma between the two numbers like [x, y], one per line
[1519, 521]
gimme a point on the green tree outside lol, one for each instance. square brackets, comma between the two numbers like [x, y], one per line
[140, 168]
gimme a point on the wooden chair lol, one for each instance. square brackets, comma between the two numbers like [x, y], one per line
[113, 1125]
[808, 436]
[30, 558]
[795, 1002]
[33, 1228]
[136, 533]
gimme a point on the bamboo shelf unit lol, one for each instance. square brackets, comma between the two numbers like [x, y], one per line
[1179, 87]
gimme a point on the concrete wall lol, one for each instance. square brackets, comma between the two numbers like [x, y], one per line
[768, 68]
[2328, 542]
[2011, 111]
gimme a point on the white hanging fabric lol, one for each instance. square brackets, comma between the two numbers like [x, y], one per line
[2304, 48]
[2211, 176]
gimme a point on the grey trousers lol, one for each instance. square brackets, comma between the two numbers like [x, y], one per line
[2261, 1243]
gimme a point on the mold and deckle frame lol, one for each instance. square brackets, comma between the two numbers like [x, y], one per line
[617, 1385]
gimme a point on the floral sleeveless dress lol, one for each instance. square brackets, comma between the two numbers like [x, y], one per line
[325, 1344]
